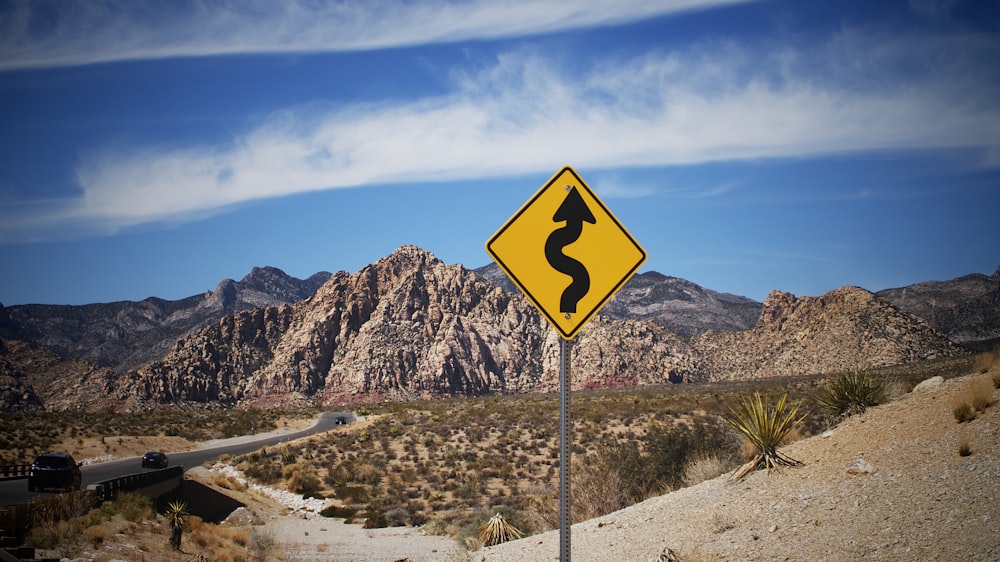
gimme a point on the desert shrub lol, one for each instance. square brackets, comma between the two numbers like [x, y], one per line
[703, 467]
[766, 428]
[344, 512]
[301, 478]
[974, 398]
[471, 486]
[96, 535]
[261, 468]
[596, 491]
[963, 412]
[436, 527]
[133, 507]
[65, 537]
[352, 494]
[177, 515]
[397, 517]
[983, 362]
[262, 543]
[655, 462]
[497, 530]
[852, 393]
[468, 534]
[375, 520]
[979, 393]
[964, 446]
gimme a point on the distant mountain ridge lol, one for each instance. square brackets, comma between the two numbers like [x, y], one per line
[410, 325]
[966, 309]
[125, 334]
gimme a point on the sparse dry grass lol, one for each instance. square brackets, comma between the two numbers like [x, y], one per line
[974, 399]
[988, 363]
[983, 362]
[122, 528]
[964, 445]
[703, 467]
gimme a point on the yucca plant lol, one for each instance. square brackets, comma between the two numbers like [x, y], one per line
[851, 393]
[176, 513]
[765, 427]
[497, 530]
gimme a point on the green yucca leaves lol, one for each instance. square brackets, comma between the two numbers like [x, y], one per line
[176, 512]
[765, 427]
[498, 530]
[851, 393]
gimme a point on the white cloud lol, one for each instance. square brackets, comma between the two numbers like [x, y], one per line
[43, 33]
[712, 102]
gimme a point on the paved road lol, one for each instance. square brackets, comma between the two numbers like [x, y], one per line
[16, 491]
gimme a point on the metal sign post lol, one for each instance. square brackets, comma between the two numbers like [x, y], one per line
[569, 255]
[565, 438]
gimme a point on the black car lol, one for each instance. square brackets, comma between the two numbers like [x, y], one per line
[154, 459]
[54, 471]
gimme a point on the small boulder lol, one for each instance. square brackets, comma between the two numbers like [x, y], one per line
[860, 466]
[929, 384]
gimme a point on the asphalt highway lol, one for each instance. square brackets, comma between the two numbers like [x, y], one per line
[16, 491]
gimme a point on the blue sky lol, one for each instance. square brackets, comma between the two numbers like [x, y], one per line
[153, 149]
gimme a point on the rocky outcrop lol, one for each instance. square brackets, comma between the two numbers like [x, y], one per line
[679, 305]
[966, 309]
[408, 325]
[123, 335]
[847, 329]
[33, 378]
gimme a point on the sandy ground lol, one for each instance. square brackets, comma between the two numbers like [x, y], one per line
[889, 484]
[332, 539]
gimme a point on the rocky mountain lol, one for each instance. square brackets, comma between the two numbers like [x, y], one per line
[34, 378]
[408, 325]
[847, 329]
[966, 309]
[411, 326]
[123, 335]
[681, 306]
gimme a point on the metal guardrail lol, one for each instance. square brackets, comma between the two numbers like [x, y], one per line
[109, 489]
[15, 520]
[14, 471]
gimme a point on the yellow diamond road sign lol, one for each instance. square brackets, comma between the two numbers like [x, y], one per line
[566, 252]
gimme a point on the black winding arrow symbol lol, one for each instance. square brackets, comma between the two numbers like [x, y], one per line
[575, 212]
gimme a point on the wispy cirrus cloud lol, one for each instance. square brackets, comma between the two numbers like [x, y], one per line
[46, 33]
[714, 101]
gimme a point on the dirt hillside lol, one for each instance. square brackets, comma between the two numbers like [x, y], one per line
[888, 484]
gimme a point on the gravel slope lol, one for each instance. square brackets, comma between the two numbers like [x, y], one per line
[921, 501]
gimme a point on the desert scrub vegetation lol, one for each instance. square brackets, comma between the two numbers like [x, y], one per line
[973, 399]
[852, 393]
[766, 428]
[988, 363]
[450, 464]
[129, 528]
[23, 435]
